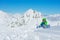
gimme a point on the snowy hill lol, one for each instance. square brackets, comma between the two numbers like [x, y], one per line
[23, 27]
[20, 20]
[3, 18]
[54, 19]
[32, 14]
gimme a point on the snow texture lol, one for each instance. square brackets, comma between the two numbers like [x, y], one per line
[23, 27]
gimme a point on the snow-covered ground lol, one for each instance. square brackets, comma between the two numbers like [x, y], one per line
[23, 27]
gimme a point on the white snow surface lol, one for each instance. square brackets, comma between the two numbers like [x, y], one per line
[23, 27]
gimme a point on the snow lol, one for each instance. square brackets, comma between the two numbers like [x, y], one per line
[23, 27]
